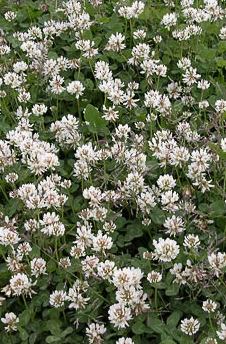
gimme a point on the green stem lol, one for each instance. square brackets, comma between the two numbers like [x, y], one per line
[10, 339]
[56, 248]
[211, 324]
[131, 32]
[156, 298]
[4, 193]
[64, 315]
[92, 70]
[79, 111]
[25, 303]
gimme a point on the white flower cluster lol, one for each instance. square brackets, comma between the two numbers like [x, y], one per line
[129, 296]
[112, 157]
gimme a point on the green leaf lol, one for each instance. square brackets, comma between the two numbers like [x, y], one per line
[207, 53]
[174, 318]
[203, 207]
[4, 274]
[96, 123]
[68, 330]
[173, 290]
[52, 55]
[32, 338]
[114, 24]
[52, 339]
[139, 328]
[53, 326]
[25, 317]
[133, 231]
[23, 334]
[217, 208]
[89, 8]
[220, 62]
[168, 341]
[192, 308]
[13, 206]
[158, 216]
[221, 47]
[51, 266]
[88, 83]
[156, 325]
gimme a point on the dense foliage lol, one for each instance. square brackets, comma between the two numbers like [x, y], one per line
[113, 180]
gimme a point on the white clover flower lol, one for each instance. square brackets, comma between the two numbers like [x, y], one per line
[20, 284]
[124, 340]
[38, 267]
[66, 131]
[101, 242]
[166, 249]
[116, 42]
[184, 63]
[191, 241]
[10, 321]
[203, 84]
[75, 87]
[2, 299]
[217, 262]
[166, 182]
[57, 298]
[102, 71]
[76, 295]
[222, 332]
[190, 326]
[13, 80]
[209, 306]
[39, 109]
[191, 76]
[24, 249]
[23, 96]
[146, 201]
[87, 48]
[220, 105]
[89, 265]
[186, 3]
[148, 149]
[211, 341]
[222, 34]
[132, 11]
[106, 269]
[8, 236]
[204, 104]
[127, 277]
[93, 194]
[157, 39]
[20, 66]
[154, 277]
[119, 315]
[95, 333]
[223, 144]
[139, 34]
[56, 84]
[174, 225]
[65, 262]
[4, 49]
[10, 16]
[51, 225]
[169, 199]
[169, 20]
[11, 177]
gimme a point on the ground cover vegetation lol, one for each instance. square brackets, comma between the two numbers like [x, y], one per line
[113, 179]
